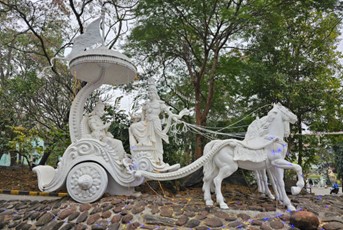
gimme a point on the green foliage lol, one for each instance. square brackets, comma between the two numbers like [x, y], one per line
[24, 143]
[225, 59]
[56, 142]
[31, 34]
[5, 131]
[292, 59]
[179, 149]
[289, 56]
[120, 126]
[338, 161]
[187, 39]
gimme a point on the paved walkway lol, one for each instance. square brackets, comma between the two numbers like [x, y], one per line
[25, 197]
[183, 211]
[320, 191]
[325, 191]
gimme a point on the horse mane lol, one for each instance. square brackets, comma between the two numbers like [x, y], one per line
[259, 127]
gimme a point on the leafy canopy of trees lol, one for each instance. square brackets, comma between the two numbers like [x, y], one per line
[225, 59]
[32, 33]
[294, 61]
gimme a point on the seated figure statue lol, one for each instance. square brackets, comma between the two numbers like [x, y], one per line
[99, 129]
[146, 130]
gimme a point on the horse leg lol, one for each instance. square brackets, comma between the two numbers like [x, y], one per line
[226, 167]
[278, 173]
[282, 163]
[210, 171]
[266, 191]
[259, 181]
[207, 193]
[272, 181]
[272, 172]
[207, 187]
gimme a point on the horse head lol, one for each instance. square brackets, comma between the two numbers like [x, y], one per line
[287, 117]
[286, 114]
[275, 123]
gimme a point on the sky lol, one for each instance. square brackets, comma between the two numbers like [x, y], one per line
[340, 46]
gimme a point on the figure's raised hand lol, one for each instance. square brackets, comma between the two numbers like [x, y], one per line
[107, 125]
[185, 112]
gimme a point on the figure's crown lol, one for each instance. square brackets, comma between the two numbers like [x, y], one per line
[99, 105]
[152, 85]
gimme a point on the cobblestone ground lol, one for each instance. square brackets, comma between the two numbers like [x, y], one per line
[186, 211]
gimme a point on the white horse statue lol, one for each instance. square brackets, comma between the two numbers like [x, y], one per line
[263, 150]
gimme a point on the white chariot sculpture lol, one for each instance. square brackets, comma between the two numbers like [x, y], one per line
[96, 162]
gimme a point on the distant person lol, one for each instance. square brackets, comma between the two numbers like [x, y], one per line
[310, 182]
[334, 188]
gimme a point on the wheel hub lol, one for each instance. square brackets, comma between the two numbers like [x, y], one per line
[85, 182]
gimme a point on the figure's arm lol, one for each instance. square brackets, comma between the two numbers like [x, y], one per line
[107, 125]
[144, 111]
[175, 117]
[96, 124]
[167, 110]
[172, 116]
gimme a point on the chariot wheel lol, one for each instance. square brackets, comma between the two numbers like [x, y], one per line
[87, 182]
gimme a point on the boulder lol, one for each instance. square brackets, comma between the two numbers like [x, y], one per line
[304, 220]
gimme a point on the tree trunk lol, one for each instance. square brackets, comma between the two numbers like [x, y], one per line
[198, 145]
[44, 158]
[198, 116]
[13, 158]
[29, 163]
[203, 103]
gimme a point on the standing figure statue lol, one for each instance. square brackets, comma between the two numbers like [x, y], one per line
[146, 131]
[99, 129]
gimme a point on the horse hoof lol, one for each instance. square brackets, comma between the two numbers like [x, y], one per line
[209, 203]
[271, 197]
[295, 190]
[224, 206]
[291, 208]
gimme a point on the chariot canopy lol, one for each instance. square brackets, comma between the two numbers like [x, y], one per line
[88, 39]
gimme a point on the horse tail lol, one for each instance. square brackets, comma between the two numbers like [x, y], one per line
[209, 167]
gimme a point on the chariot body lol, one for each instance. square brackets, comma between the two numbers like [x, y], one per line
[96, 162]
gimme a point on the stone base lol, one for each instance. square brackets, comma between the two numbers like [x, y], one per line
[114, 188]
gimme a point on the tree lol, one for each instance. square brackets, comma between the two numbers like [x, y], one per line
[25, 143]
[191, 46]
[30, 41]
[339, 160]
[292, 60]
[5, 132]
[32, 33]
[186, 39]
